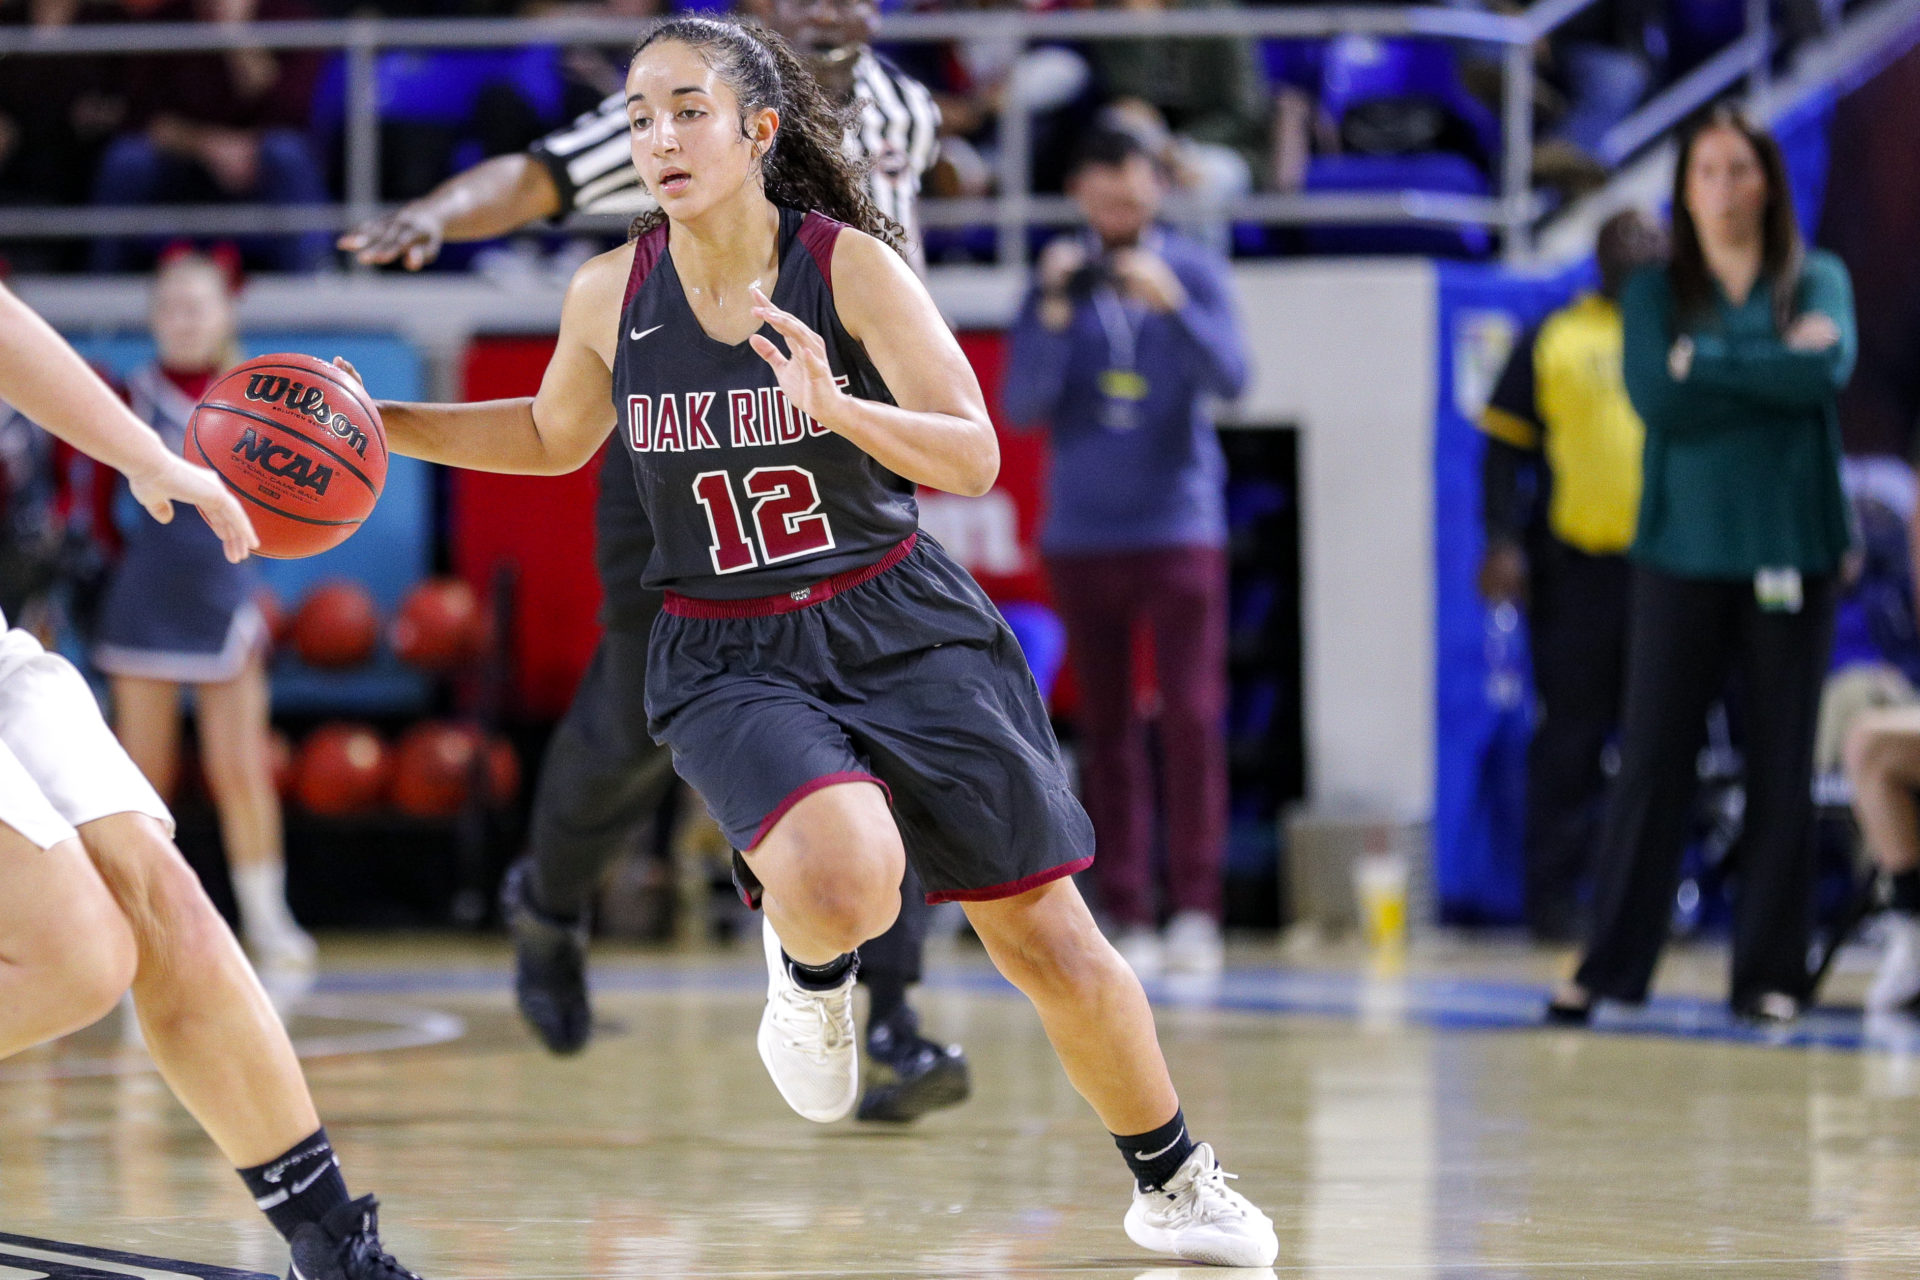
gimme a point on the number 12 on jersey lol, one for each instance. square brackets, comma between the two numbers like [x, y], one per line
[785, 515]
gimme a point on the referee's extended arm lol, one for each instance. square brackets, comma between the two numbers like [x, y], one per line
[492, 198]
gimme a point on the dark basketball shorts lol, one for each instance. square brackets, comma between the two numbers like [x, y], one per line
[902, 674]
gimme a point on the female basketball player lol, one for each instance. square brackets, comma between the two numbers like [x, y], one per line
[176, 612]
[95, 898]
[840, 692]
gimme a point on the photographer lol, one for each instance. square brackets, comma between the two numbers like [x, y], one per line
[1124, 339]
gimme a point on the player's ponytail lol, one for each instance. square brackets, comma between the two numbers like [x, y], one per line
[806, 166]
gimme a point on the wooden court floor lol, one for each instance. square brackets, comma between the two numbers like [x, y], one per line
[1400, 1122]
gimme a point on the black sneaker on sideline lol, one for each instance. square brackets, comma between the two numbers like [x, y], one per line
[549, 967]
[915, 1074]
[345, 1245]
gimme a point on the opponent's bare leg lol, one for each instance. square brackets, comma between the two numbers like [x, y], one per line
[66, 953]
[209, 1025]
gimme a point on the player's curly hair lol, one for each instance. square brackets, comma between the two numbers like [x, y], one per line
[805, 167]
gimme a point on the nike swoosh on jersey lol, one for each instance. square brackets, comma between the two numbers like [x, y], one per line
[637, 334]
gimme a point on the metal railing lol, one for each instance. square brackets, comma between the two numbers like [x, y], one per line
[1512, 211]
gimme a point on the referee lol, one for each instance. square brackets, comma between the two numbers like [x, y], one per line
[603, 773]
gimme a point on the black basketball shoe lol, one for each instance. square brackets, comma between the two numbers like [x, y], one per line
[914, 1075]
[345, 1245]
[549, 967]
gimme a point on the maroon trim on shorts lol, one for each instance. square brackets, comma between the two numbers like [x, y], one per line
[806, 789]
[818, 233]
[646, 256]
[789, 601]
[1012, 888]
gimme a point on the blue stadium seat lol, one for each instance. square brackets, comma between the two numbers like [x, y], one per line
[441, 86]
[1434, 171]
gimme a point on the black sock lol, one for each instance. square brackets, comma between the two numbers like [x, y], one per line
[303, 1185]
[886, 996]
[1156, 1155]
[821, 977]
[1904, 891]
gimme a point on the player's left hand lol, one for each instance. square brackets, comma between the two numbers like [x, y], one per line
[804, 373]
[174, 479]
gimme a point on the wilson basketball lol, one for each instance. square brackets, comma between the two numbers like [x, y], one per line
[337, 625]
[301, 444]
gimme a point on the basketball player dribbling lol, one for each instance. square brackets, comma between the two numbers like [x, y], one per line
[838, 690]
[95, 899]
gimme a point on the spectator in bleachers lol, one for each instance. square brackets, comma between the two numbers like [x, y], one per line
[1200, 104]
[1882, 736]
[178, 613]
[1560, 425]
[1126, 336]
[56, 115]
[1734, 355]
[1600, 62]
[218, 125]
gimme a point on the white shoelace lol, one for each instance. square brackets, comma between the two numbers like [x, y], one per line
[817, 1024]
[1207, 1198]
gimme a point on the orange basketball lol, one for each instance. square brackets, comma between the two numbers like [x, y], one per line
[337, 625]
[432, 767]
[301, 444]
[439, 626]
[342, 769]
[435, 765]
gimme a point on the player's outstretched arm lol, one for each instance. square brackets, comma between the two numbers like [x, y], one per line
[552, 433]
[46, 380]
[938, 433]
[492, 198]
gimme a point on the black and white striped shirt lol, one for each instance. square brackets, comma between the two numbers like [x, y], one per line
[897, 128]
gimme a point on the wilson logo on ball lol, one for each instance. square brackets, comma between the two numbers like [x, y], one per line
[272, 456]
[309, 401]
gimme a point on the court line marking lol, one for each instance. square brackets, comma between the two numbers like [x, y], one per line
[401, 1028]
[1443, 1003]
[110, 1261]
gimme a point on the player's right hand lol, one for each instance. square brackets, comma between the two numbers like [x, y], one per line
[174, 479]
[408, 232]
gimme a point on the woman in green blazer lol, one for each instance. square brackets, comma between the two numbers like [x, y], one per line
[1735, 354]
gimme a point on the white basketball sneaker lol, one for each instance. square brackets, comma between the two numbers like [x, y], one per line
[1141, 948]
[1194, 945]
[807, 1040]
[1897, 983]
[1197, 1216]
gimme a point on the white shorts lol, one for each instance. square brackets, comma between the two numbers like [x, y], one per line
[60, 766]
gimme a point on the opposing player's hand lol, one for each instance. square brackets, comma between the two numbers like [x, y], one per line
[346, 366]
[804, 373]
[408, 232]
[174, 479]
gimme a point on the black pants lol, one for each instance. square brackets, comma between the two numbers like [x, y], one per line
[1687, 636]
[603, 774]
[1578, 623]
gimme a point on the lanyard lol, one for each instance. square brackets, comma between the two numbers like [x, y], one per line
[1121, 386]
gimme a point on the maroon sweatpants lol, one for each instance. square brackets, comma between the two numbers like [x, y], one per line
[1108, 602]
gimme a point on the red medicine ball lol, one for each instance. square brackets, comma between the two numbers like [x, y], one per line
[301, 444]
